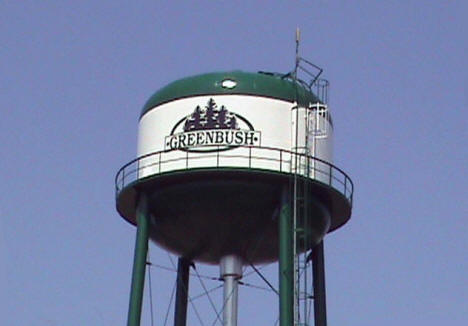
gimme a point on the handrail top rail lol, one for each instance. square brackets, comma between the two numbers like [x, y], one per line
[280, 150]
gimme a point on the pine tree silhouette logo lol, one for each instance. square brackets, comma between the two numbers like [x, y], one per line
[211, 117]
[212, 128]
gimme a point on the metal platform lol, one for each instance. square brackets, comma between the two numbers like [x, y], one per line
[236, 208]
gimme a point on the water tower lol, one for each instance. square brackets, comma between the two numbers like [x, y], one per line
[235, 168]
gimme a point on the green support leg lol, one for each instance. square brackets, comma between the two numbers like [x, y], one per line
[318, 270]
[139, 263]
[286, 262]
[183, 275]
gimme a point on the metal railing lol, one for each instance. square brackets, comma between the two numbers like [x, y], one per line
[250, 157]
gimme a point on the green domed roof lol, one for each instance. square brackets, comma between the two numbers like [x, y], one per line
[233, 82]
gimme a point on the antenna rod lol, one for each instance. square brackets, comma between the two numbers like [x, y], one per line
[298, 38]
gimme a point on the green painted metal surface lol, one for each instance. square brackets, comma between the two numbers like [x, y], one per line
[286, 263]
[247, 83]
[139, 264]
[181, 298]
[318, 265]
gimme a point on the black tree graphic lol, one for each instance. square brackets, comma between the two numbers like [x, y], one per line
[211, 117]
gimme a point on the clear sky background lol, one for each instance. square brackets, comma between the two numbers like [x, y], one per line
[75, 74]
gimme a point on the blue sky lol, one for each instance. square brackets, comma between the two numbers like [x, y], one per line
[74, 76]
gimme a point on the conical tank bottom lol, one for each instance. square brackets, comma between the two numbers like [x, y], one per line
[205, 219]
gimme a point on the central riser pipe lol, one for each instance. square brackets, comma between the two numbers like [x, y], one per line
[230, 273]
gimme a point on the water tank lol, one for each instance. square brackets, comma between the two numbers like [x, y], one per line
[214, 153]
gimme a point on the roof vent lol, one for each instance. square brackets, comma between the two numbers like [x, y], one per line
[228, 83]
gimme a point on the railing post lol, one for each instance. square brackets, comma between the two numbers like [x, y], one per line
[345, 180]
[186, 159]
[281, 160]
[160, 154]
[250, 157]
